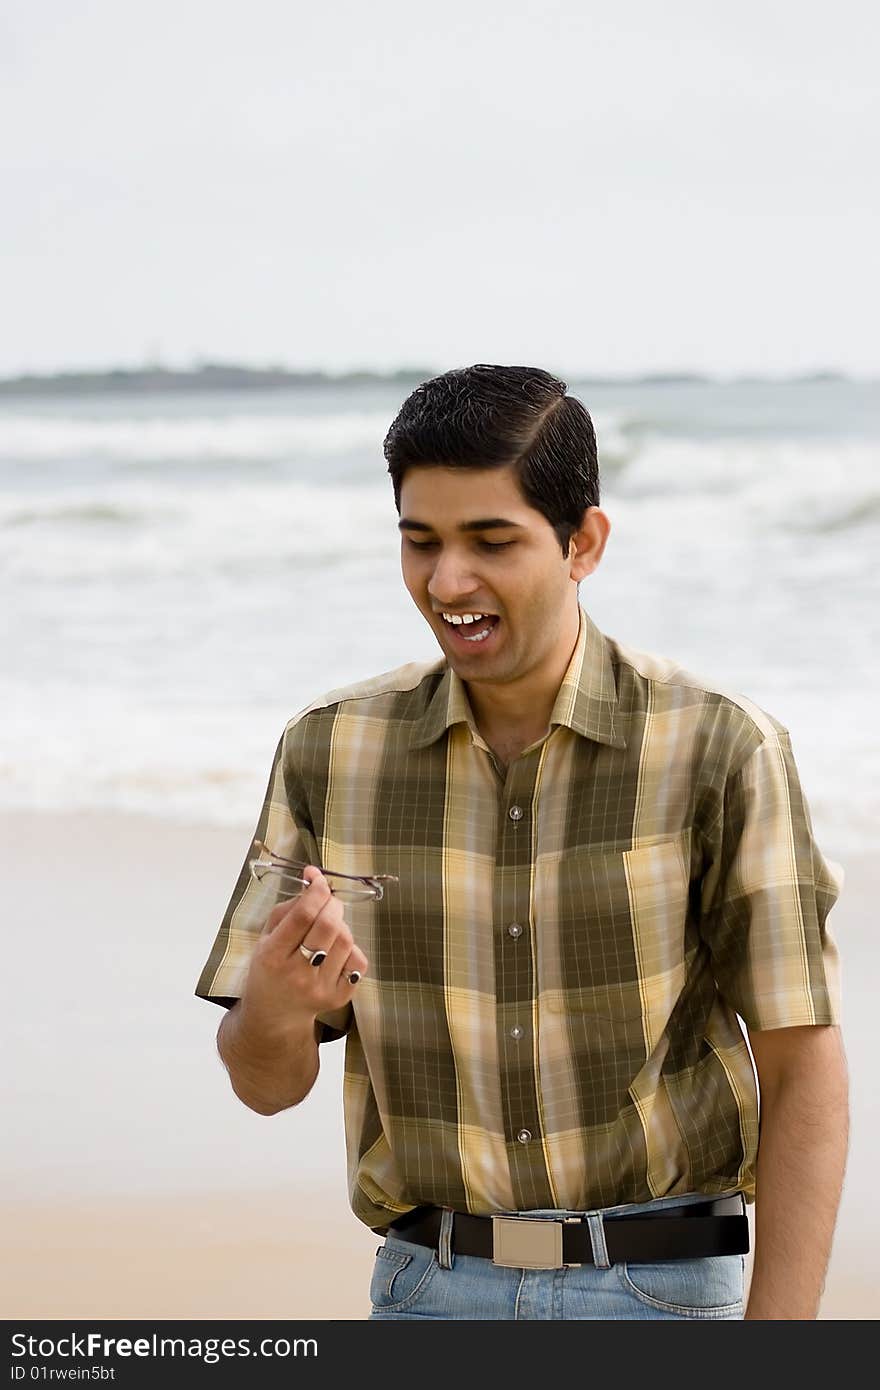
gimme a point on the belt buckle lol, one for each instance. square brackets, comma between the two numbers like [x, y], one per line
[523, 1242]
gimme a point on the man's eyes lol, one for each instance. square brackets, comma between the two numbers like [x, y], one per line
[482, 545]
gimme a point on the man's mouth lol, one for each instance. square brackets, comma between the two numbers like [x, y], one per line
[470, 627]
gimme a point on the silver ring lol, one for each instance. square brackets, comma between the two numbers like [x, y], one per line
[313, 957]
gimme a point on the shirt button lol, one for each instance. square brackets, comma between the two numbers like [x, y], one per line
[516, 1031]
[515, 813]
[514, 930]
[524, 1136]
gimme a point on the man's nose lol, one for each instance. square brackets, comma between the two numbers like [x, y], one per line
[452, 579]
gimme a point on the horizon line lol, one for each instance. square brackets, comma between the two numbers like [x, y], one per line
[219, 374]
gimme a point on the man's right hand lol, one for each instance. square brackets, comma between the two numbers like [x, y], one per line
[268, 1040]
[283, 988]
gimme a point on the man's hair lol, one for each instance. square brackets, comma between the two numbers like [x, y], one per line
[492, 417]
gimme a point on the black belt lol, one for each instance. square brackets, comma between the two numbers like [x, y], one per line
[717, 1226]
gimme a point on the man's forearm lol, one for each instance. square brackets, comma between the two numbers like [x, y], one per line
[268, 1072]
[801, 1161]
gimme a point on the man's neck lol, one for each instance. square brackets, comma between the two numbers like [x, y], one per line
[519, 712]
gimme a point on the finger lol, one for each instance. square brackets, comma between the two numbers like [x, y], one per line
[278, 913]
[343, 958]
[354, 968]
[283, 909]
[328, 926]
[290, 920]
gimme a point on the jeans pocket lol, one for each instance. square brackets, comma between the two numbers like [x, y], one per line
[711, 1287]
[401, 1274]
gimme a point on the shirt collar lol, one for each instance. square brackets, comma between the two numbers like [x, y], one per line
[585, 703]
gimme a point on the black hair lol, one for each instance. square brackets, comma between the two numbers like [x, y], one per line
[492, 417]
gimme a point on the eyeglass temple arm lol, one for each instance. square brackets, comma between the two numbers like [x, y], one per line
[334, 873]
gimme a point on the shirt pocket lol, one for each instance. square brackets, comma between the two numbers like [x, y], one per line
[612, 929]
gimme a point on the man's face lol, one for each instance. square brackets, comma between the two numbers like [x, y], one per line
[472, 545]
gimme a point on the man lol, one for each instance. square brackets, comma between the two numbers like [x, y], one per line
[603, 861]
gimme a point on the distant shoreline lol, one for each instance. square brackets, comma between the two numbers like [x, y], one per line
[228, 377]
[209, 377]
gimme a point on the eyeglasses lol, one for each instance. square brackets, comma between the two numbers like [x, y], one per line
[285, 876]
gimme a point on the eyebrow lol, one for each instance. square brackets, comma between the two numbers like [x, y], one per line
[485, 523]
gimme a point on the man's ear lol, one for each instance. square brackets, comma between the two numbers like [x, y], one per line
[587, 545]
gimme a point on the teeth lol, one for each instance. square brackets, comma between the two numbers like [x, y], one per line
[478, 636]
[458, 618]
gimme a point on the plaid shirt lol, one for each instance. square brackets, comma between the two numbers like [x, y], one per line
[549, 1018]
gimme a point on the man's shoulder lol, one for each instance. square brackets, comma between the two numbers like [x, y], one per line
[398, 692]
[671, 687]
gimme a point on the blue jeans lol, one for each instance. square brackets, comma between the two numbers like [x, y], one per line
[413, 1281]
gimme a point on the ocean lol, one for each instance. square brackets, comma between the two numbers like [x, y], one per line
[182, 573]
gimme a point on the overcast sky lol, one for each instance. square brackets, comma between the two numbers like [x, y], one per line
[627, 186]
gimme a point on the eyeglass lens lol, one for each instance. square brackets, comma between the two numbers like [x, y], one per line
[288, 885]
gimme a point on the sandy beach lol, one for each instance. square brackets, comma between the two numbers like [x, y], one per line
[135, 1185]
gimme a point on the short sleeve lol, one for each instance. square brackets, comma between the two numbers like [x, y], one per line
[285, 826]
[767, 895]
